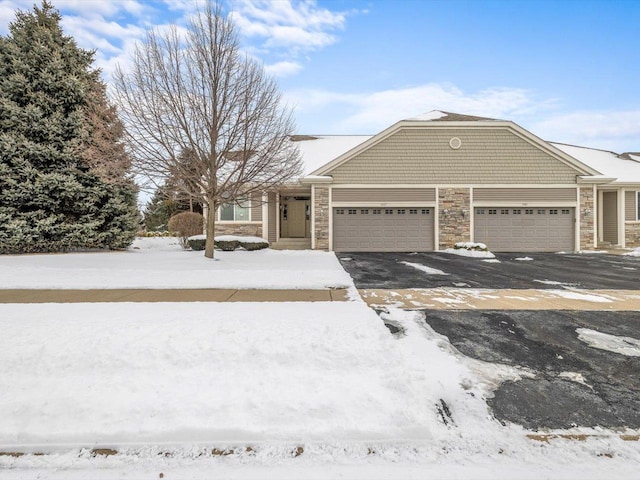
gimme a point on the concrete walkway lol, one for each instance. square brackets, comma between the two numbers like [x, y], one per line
[505, 299]
[171, 295]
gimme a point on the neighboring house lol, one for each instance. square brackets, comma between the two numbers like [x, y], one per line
[428, 182]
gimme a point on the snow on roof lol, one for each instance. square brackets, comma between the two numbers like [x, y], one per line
[608, 163]
[318, 150]
[441, 116]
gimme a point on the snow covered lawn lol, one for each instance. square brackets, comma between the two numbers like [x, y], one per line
[162, 263]
[327, 378]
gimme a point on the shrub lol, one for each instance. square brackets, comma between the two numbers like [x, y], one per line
[187, 224]
[197, 243]
[254, 245]
[156, 234]
[480, 247]
[227, 245]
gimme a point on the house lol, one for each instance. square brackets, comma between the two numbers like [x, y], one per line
[427, 182]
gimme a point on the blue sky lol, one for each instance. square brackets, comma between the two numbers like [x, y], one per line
[567, 70]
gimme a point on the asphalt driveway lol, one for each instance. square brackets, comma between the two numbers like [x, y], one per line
[575, 384]
[544, 270]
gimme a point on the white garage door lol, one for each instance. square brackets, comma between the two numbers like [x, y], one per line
[407, 229]
[525, 229]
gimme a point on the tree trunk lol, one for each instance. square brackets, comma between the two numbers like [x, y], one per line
[211, 225]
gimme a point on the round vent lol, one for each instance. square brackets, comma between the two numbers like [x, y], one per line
[455, 143]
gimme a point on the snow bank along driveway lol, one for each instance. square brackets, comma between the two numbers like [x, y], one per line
[161, 263]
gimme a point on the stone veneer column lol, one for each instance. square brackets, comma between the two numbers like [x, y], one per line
[586, 219]
[321, 215]
[632, 234]
[454, 216]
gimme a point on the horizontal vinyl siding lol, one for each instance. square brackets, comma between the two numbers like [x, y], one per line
[256, 207]
[487, 155]
[272, 217]
[630, 206]
[524, 194]
[419, 195]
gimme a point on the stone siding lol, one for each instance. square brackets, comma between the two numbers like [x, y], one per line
[586, 219]
[632, 234]
[245, 229]
[321, 217]
[454, 216]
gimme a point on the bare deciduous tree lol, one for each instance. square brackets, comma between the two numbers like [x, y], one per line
[192, 90]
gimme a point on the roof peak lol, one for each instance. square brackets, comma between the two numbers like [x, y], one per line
[442, 116]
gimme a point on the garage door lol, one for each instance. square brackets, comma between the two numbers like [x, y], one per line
[383, 229]
[525, 229]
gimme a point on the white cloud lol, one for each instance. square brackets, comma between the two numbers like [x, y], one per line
[294, 25]
[283, 69]
[612, 130]
[371, 112]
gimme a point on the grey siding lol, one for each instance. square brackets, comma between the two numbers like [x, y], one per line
[610, 217]
[630, 206]
[256, 207]
[423, 155]
[272, 217]
[383, 195]
[524, 194]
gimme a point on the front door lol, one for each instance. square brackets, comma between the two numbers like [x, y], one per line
[293, 219]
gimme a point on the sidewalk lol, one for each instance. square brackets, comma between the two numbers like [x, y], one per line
[171, 295]
[506, 299]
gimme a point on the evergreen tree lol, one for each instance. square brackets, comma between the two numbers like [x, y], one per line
[52, 197]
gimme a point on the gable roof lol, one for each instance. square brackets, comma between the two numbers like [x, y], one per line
[440, 119]
[623, 167]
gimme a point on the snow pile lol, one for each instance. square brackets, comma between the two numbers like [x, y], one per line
[470, 249]
[633, 253]
[587, 297]
[613, 343]
[239, 238]
[524, 259]
[162, 263]
[425, 269]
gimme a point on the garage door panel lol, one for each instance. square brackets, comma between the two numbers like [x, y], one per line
[386, 229]
[517, 229]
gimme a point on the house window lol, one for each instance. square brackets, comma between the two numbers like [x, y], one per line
[480, 211]
[352, 211]
[505, 212]
[517, 212]
[235, 213]
[364, 212]
[493, 211]
[377, 211]
[340, 211]
[541, 211]
[566, 211]
[553, 211]
[401, 211]
[528, 212]
[413, 211]
[388, 211]
[426, 211]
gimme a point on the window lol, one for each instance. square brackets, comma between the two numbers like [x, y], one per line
[339, 211]
[541, 211]
[364, 212]
[528, 212]
[426, 211]
[480, 211]
[401, 211]
[493, 211]
[413, 211]
[352, 211]
[504, 212]
[553, 211]
[517, 212]
[377, 211]
[235, 213]
[566, 211]
[388, 211]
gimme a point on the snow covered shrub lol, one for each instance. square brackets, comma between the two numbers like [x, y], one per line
[250, 246]
[197, 243]
[187, 224]
[479, 247]
[227, 245]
